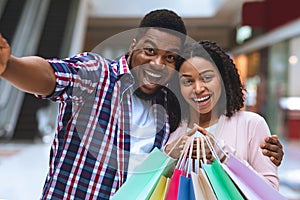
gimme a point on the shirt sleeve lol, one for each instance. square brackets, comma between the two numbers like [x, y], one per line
[76, 77]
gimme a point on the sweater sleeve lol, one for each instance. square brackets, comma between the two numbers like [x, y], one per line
[181, 130]
[261, 163]
[241, 135]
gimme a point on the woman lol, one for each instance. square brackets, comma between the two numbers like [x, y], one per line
[214, 98]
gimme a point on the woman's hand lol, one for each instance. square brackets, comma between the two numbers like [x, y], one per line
[203, 147]
[176, 146]
[177, 150]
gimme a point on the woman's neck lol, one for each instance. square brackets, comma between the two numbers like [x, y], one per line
[204, 120]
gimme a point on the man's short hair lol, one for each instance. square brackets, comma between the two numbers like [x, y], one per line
[165, 20]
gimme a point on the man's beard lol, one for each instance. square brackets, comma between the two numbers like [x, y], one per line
[139, 93]
[137, 90]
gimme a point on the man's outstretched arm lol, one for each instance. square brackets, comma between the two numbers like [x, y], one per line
[31, 74]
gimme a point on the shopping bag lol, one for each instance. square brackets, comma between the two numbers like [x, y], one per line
[202, 187]
[191, 189]
[185, 187]
[250, 182]
[223, 186]
[195, 185]
[166, 188]
[221, 182]
[142, 182]
[159, 191]
[247, 192]
[172, 192]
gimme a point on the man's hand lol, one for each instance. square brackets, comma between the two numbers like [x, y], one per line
[273, 149]
[5, 52]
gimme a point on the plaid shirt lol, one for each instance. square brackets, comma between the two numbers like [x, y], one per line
[90, 152]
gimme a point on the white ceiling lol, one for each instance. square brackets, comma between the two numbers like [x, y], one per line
[138, 8]
[205, 19]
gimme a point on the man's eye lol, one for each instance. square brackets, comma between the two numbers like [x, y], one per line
[149, 51]
[171, 58]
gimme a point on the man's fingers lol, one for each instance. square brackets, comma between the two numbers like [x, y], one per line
[273, 140]
[271, 147]
[274, 157]
[274, 136]
[3, 42]
[277, 162]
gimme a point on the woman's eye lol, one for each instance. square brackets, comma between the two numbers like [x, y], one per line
[186, 82]
[207, 78]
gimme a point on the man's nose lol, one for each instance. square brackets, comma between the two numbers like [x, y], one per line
[158, 62]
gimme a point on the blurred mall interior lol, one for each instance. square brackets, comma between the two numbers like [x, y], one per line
[262, 36]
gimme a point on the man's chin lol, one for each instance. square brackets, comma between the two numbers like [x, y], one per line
[146, 95]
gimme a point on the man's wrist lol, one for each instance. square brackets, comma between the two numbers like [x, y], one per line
[2, 69]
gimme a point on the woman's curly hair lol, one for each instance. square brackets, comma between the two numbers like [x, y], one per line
[210, 51]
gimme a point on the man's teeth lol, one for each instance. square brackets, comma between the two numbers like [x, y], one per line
[201, 99]
[152, 74]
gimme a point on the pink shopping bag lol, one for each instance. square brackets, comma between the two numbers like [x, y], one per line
[250, 182]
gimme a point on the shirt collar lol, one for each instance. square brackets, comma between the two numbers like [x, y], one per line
[124, 74]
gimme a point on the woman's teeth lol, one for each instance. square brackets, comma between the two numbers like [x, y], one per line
[201, 99]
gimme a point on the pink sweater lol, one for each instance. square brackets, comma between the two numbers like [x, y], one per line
[241, 135]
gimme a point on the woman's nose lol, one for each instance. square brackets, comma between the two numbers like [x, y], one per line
[199, 87]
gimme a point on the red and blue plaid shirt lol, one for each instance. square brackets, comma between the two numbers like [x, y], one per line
[90, 152]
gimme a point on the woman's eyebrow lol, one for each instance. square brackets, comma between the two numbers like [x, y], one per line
[206, 71]
[200, 73]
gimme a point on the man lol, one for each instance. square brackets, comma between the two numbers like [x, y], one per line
[104, 105]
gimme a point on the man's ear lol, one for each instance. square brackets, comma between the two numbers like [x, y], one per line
[132, 46]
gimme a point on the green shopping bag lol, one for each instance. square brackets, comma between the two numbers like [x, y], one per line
[221, 183]
[142, 182]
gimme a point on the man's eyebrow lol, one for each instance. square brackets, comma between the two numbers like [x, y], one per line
[185, 75]
[151, 42]
[155, 46]
[173, 51]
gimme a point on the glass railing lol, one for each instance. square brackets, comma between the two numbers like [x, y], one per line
[24, 42]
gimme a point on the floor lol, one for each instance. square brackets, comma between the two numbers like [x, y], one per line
[23, 167]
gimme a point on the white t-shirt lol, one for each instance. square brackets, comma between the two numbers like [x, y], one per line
[142, 132]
